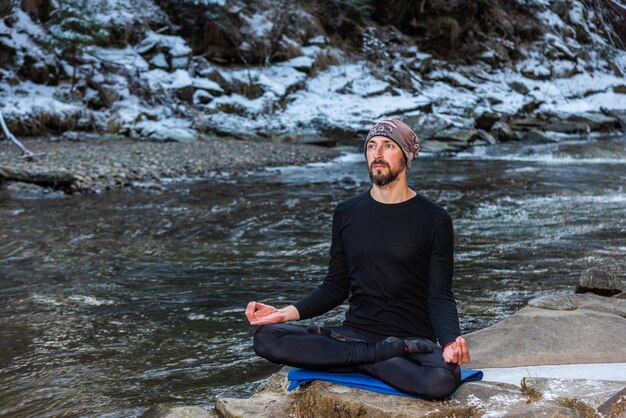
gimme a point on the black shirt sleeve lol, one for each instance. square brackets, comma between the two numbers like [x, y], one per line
[336, 286]
[441, 303]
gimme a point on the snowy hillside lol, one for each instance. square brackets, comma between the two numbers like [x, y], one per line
[151, 70]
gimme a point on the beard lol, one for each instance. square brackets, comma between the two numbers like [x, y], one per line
[383, 179]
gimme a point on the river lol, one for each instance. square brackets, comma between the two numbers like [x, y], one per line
[114, 302]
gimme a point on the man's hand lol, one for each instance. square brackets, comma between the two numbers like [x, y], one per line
[457, 352]
[261, 314]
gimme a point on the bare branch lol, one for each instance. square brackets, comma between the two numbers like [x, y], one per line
[27, 154]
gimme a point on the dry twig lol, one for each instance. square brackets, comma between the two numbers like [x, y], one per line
[27, 154]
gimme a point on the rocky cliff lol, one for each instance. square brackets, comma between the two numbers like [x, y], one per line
[460, 72]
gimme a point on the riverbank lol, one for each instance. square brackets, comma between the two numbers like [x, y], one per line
[104, 164]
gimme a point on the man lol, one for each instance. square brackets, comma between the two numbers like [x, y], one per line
[392, 255]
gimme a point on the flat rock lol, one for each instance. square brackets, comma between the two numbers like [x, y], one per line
[592, 333]
[538, 397]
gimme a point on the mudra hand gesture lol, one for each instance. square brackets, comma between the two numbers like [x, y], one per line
[457, 352]
[261, 314]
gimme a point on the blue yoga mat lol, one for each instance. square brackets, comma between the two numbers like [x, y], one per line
[298, 377]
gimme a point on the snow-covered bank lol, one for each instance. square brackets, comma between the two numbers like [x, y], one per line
[158, 84]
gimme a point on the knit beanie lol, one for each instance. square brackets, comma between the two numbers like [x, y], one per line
[400, 133]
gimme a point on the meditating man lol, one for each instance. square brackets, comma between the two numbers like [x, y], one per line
[392, 256]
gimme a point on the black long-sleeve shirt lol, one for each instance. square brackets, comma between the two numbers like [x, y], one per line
[395, 262]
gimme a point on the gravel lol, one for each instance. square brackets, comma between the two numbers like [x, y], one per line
[104, 164]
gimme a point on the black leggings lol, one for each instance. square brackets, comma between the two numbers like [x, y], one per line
[422, 374]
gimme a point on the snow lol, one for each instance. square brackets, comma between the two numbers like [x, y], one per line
[175, 45]
[596, 371]
[170, 129]
[260, 24]
[30, 99]
[550, 18]
[216, 2]
[318, 40]
[276, 79]
[158, 78]
[125, 57]
[159, 61]
[206, 84]
[593, 103]
[302, 62]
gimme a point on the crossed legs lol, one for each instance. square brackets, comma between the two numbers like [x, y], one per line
[422, 374]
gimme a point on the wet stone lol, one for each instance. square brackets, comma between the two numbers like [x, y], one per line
[598, 281]
[554, 302]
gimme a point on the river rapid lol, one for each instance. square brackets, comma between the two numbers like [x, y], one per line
[114, 302]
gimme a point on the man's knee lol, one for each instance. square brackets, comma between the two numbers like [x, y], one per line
[441, 384]
[268, 341]
[264, 341]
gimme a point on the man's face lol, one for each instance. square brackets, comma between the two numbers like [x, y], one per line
[385, 160]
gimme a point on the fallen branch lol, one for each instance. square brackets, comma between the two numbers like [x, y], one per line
[27, 154]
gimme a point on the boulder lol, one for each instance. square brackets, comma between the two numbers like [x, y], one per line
[502, 132]
[486, 120]
[538, 336]
[519, 87]
[600, 282]
[535, 136]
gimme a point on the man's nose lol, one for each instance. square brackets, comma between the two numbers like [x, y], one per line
[378, 152]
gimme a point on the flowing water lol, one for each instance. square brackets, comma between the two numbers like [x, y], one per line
[112, 303]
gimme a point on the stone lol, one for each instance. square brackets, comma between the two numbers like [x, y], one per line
[600, 282]
[502, 132]
[620, 117]
[557, 303]
[596, 121]
[615, 406]
[519, 87]
[484, 137]
[525, 124]
[461, 136]
[568, 127]
[164, 411]
[620, 88]
[271, 400]
[302, 63]
[5, 7]
[486, 120]
[535, 136]
[537, 336]
[584, 395]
